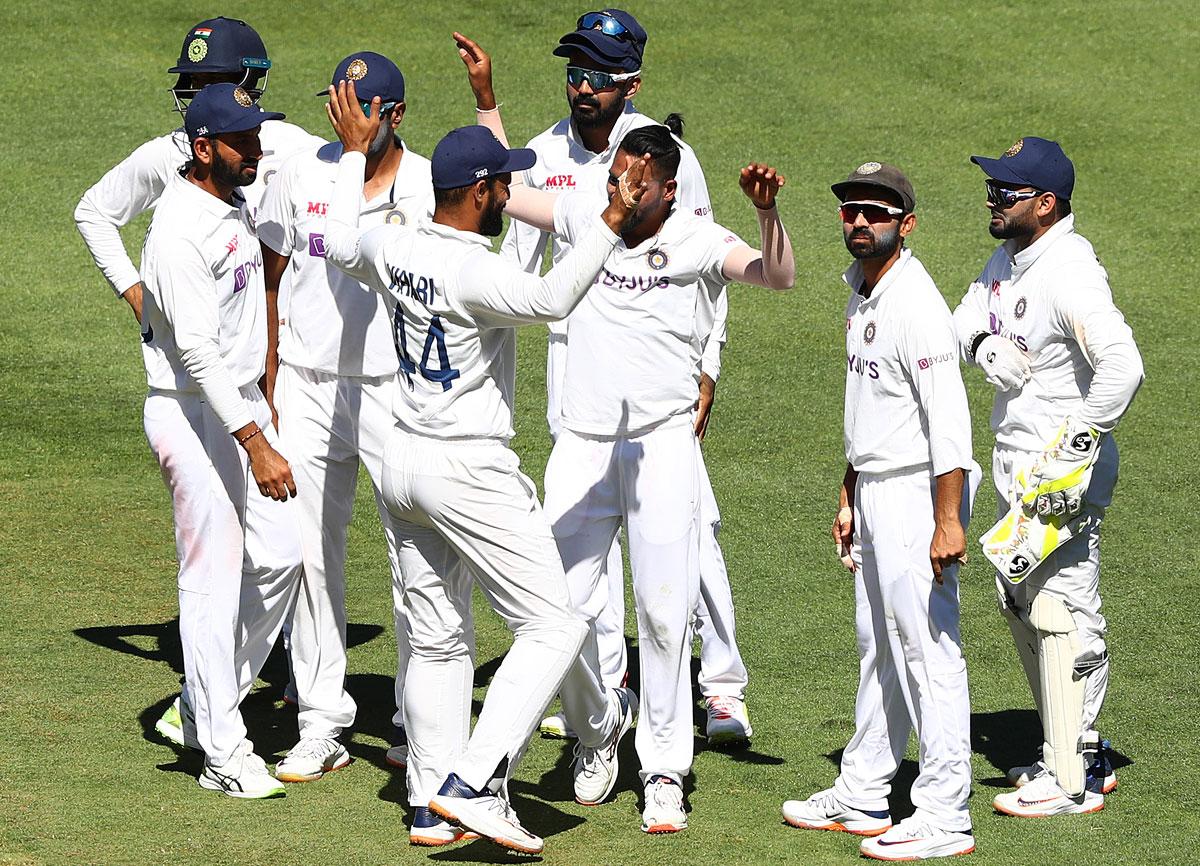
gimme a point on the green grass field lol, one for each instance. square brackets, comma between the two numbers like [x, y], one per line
[87, 572]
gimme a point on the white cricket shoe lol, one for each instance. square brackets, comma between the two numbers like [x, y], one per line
[485, 813]
[1043, 797]
[596, 768]
[312, 758]
[824, 811]
[916, 839]
[244, 775]
[1020, 776]
[728, 721]
[555, 727]
[397, 753]
[178, 725]
[431, 831]
[664, 811]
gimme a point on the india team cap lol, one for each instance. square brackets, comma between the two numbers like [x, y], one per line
[373, 75]
[221, 108]
[882, 175]
[471, 153]
[221, 45]
[611, 37]
[1036, 162]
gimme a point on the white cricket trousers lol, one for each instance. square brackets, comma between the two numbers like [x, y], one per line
[1071, 574]
[649, 483]
[239, 559]
[722, 671]
[462, 509]
[329, 425]
[911, 668]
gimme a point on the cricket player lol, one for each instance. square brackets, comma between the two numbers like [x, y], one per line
[904, 503]
[450, 481]
[331, 370]
[1041, 324]
[604, 72]
[628, 453]
[207, 422]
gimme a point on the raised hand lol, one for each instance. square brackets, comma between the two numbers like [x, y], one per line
[629, 192]
[479, 71]
[761, 183]
[355, 129]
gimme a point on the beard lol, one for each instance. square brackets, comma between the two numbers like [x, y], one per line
[872, 246]
[1010, 226]
[240, 173]
[493, 221]
[382, 139]
[598, 118]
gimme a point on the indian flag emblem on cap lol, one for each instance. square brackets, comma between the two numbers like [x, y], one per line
[868, 168]
[197, 50]
[202, 32]
[1016, 148]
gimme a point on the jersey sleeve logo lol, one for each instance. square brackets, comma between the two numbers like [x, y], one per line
[657, 259]
[869, 333]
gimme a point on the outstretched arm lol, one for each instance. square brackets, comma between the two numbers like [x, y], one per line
[774, 266]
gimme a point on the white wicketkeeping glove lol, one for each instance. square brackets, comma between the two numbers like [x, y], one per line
[1004, 364]
[1058, 479]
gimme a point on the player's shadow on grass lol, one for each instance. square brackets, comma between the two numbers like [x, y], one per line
[1011, 738]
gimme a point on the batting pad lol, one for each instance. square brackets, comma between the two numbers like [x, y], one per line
[1025, 637]
[1062, 691]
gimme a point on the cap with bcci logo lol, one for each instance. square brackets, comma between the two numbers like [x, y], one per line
[221, 108]
[373, 75]
[1031, 161]
[882, 175]
[472, 153]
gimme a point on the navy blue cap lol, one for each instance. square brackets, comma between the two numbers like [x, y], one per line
[373, 75]
[1036, 162]
[221, 108]
[221, 45]
[623, 49]
[471, 153]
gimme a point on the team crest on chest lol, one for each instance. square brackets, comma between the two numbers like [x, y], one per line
[869, 333]
[1019, 309]
[657, 259]
[396, 217]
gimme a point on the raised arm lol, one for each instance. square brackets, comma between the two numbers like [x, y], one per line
[773, 266]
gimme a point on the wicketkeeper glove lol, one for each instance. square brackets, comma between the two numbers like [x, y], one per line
[1004, 364]
[1020, 541]
[1058, 479]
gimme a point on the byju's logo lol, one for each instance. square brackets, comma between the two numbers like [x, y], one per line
[316, 245]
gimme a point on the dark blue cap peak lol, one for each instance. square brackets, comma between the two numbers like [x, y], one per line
[221, 108]
[472, 153]
[1032, 161]
[373, 75]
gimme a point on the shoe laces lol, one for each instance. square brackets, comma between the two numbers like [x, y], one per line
[664, 792]
[313, 747]
[914, 828]
[721, 706]
[588, 758]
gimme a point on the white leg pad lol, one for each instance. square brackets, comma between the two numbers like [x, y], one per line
[1062, 691]
[1025, 637]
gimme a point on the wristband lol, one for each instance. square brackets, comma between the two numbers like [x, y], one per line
[479, 110]
[976, 341]
[248, 437]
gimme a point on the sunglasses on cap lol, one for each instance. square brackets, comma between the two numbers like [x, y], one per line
[1003, 197]
[596, 79]
[872, 211]
[605, 23]
[383, 109]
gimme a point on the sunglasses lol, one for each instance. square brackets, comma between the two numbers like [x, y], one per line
[596, 79]
[873, 212]
[383, 109]
[1004, 197]
[605, 23]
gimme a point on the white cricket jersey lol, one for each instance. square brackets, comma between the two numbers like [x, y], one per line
[328, 320]
[456, 303]
[204, 309]
[135, 184]
[906, 407]
[634, 343]
[1053, 301]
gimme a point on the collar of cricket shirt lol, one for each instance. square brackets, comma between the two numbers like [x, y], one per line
[1025, 258]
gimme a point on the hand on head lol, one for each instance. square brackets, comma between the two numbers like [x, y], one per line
[355, 129]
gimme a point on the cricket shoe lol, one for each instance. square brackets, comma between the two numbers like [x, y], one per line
[431, 831]
[1101, 778]
[664, 811]
[1020, 776]
[178, 725]
[555, 727]
[824, 811]
[485, 813]
[397, 753]
[244, 775]
[1043, 797]
[596, 768]
[916, 839]
[312, 758]
[290, 696]
[728, 721]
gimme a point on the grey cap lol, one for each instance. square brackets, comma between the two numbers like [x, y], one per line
[882, 175]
